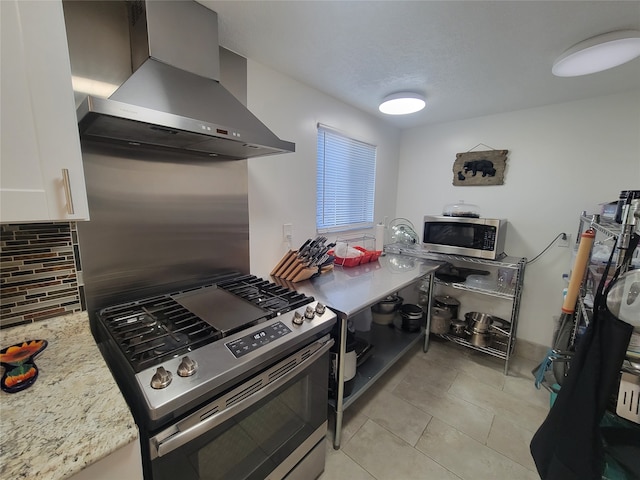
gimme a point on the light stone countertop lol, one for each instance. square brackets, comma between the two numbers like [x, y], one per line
[72, 416]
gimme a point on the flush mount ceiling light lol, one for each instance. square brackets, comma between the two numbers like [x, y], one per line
[402, 103]
[598, 53]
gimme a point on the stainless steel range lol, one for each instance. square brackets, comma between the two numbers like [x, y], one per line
[240, 360]
[226, 374]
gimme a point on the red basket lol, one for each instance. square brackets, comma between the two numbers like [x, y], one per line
[346, 262]
[366, 257]
[369, 255]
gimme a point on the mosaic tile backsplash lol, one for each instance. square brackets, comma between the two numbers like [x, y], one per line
[39, 265]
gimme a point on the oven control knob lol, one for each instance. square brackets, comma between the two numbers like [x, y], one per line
[161, 379]
[187, 367]
[310, 312]
[298, 319]
[320, 308]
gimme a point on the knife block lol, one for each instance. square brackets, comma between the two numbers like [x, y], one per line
[292, 269]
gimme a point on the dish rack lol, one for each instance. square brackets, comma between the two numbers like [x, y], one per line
[628, 405]
[347, 245]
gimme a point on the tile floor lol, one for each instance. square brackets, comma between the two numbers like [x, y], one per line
[447, 414]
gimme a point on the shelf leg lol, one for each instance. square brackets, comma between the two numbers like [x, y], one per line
[425, 348]
[337, 437]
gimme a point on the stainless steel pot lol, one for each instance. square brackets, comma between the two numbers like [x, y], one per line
[459, 327]
[484, 328]
[481, 339]
[440, 321]
[447, 302]
[479, 322]
[389, 304]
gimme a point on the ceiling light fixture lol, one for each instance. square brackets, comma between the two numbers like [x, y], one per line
[598, 53]
[402, 103]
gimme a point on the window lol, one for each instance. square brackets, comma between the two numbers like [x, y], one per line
[346, 174]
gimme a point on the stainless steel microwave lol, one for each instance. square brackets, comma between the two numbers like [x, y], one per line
[472, 237]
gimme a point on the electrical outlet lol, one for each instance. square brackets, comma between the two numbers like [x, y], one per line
[287, 232]
[564, 242]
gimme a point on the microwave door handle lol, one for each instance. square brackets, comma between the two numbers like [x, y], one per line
[178, 437]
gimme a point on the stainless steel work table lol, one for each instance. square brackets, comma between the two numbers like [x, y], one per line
[348, 291]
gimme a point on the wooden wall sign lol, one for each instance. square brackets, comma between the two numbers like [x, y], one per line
[480, 168]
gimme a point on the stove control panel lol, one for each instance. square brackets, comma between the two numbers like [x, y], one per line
[243, 345]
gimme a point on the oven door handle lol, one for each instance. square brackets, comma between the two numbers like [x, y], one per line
[185, 431]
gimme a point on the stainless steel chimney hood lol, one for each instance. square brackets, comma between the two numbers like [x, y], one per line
[173, 100]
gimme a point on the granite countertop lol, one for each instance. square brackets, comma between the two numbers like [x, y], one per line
[72, 416]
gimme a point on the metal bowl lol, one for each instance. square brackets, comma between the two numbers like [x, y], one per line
[380, 318]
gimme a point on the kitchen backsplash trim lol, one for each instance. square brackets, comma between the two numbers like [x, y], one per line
[39, 265]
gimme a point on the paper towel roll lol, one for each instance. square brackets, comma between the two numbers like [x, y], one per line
[380, 231]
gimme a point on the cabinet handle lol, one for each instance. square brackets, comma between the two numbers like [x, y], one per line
[67, 191]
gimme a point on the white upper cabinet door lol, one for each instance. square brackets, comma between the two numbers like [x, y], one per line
[41, 175]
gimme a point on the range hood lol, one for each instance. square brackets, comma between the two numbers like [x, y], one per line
[173, 99]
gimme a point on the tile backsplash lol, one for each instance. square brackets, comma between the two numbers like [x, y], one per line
[39, 265]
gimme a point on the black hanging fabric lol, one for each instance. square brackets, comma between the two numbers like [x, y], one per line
[568, 444]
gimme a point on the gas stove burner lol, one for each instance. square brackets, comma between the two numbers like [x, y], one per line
[134, 337]
[136, 320]
[247, 292]
[173, 341]
[275, 305]
[148, 321]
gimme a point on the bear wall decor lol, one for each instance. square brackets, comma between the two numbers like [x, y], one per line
[480, 168]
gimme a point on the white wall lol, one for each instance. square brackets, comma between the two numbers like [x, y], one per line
[563, 159]
[282, 187]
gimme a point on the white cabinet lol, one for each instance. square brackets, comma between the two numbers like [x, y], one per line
[41, 175]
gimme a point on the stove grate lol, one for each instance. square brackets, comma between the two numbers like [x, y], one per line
[152, 330]
[267, 295]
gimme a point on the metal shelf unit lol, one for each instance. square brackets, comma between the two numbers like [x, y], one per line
[512, 294]
[606, 231]
[606, 226]
[612, 231]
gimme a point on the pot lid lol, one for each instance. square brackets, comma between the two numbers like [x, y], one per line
[447, 300]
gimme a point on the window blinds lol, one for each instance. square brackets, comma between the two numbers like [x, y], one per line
[345, 182]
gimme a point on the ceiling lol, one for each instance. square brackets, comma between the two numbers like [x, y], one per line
[470, 58]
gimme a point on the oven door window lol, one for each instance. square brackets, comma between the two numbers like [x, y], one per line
[254, 442]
